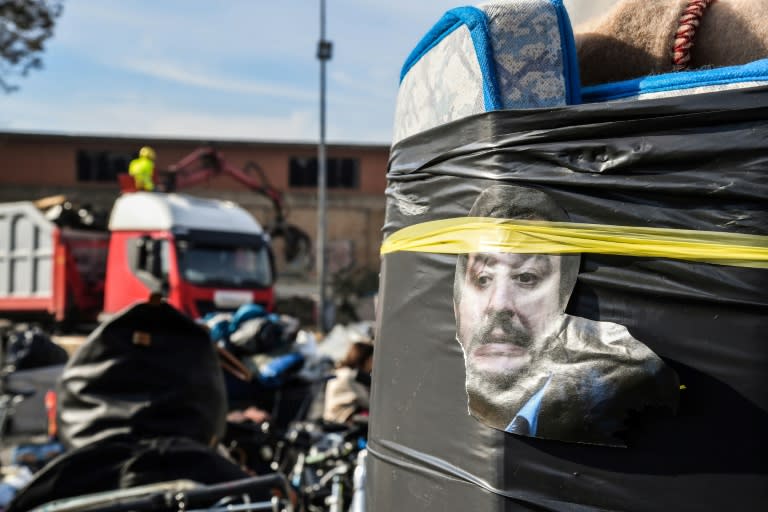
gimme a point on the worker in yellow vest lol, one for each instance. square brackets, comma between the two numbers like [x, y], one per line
[143, 169]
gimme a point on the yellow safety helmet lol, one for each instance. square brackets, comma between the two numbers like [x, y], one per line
[147, 152]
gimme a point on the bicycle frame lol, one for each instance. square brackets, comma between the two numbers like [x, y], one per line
[181, 495]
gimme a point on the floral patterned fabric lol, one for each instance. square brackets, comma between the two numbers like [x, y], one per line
[526, 62]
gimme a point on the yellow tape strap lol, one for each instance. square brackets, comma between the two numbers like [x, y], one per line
[483, 234]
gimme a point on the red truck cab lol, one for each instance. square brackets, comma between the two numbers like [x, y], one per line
[203, 255]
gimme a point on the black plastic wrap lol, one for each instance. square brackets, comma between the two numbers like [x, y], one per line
[696, 162]
[150, 371]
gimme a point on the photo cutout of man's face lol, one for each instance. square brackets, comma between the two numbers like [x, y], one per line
[530, 368]
[507, 305]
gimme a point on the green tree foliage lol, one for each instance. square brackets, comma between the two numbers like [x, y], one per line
[25, 26]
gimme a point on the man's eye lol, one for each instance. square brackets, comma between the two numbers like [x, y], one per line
[528, 279]
[482, 281]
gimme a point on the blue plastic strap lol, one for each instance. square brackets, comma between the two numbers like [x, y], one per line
[570, 59]
[756, 71]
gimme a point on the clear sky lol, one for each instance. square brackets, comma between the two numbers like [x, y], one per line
[225, 69]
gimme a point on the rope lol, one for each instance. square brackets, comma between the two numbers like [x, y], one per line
[686, 30]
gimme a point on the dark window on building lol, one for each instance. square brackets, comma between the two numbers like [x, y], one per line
[303, 172]
[101, 165]
[340, 172]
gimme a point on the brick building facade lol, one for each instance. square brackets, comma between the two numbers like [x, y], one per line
[85, 168]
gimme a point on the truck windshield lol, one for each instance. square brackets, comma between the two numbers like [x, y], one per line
[240, 267]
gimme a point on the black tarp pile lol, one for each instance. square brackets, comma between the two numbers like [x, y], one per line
[29, 347]
[691, 164]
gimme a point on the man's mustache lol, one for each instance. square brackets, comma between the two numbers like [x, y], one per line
[507, 331]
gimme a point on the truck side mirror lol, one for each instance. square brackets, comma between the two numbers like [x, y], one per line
[146, 260]
[155, 263]
[141, 249]
[149, 256]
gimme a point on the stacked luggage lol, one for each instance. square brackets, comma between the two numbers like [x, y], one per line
[626, 368]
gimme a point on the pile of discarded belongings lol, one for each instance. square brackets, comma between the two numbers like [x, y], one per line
[269, 361]
[68, 213]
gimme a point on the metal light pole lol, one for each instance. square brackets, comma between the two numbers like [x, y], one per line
[324, 49]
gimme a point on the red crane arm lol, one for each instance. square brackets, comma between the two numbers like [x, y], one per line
[203, 163]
